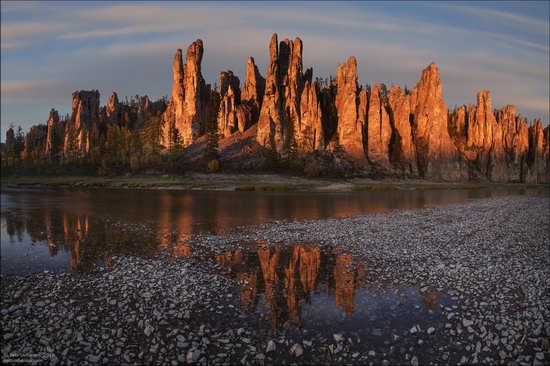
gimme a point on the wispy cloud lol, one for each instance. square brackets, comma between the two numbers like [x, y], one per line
[503, 17]
[19, 30]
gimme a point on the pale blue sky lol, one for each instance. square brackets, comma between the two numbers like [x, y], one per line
[50, 49]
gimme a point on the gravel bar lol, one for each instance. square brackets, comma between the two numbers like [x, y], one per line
[492, 256]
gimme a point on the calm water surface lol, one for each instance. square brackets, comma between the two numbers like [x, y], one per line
[79, 229]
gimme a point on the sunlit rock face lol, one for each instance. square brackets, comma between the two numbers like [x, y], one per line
[84, 116]
[187, 108]
[270, 122]
[379, 130]
[230, 98]
[538, 158]
[53, 124]
[403, 155]
[437, 156]
[253, 91]
[310, 131]
[498, 144]
[112, 112]
[510, 145]
[290, 112]
[369, 130]
[351, 123]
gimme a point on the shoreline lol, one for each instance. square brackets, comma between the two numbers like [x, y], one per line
[244, 182]
[487, 256]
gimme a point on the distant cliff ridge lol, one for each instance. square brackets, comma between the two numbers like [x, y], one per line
[391, 132]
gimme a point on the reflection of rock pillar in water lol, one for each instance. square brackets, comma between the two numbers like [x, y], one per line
[268, 263]
[163, 239]
[182, 250]
[108, 261]
[74, 246]
[310, 261]
[361, 280]
[10, 225]
[344, 283]
[52, 248]
[431, 299]
[249, 289]
[290, 287]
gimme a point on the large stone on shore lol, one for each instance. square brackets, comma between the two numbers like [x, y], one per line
[379, 130]
[438, 159]
[404, 152]
[350, 123]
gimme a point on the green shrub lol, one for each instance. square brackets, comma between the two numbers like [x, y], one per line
[213, 165]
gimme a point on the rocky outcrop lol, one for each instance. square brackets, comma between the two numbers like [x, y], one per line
[291, 80]
[403, 154]
[270, 121]
[335, 127]
[230, 97]
[52, 134]
[511, 146]
[436, 154]
[310, 128]
[350, 123]
[538, 158]
[187, 108]
[84, 115]
[480, 128]
[253, 90]
[145, 109]
[133, 114]
[246, 114]
[35, 142]
[112, 112]
[379, 130]
[284, 119]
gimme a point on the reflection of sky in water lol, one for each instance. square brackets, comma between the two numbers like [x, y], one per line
[306, 287]
[19, 254]
[371, 309]
[77, 229]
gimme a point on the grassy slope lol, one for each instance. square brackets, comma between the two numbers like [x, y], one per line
[243, 182]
